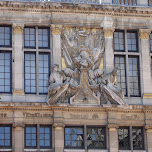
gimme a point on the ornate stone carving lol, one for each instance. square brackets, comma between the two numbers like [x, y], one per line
[82, 82]
[148, 128]
[18, 92]
[56, 29]
[144, 33]
[108, 31]
[58, 125]
[18, 28]
[18, 124]
[113, 127]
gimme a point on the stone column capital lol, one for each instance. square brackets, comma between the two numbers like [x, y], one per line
[18, 28]
[148, 128]
[144, 33]
[113, 127]
[58, 125]
[18, 124]
[56, 29]
[108, 31]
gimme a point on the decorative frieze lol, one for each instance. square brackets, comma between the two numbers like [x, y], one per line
[18, 92]
[18, 28]
[144, 33]
[108, 31]
[56, 29]
[113, 127]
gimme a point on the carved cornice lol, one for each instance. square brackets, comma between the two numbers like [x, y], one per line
[56, 29]
[18, 92]
[18, 28]
[144, 33]
[108, 31]
[113, 127]
[18, 124]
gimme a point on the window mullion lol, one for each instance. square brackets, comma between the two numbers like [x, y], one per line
[37, 63]
[38, 136]
[85, 137]
[131, 138]
[127, 68]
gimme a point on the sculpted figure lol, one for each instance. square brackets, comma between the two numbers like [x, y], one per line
[58, 83]
[111, 92]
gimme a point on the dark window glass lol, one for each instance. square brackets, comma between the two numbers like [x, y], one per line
[45, 136]
[74, 137]
[5, 137]
[5, 72]
[126, 2]
[132, 41]
[30, 137]
[44, 72]
[119, 41]
[138, 138]
[29, 37]
[43, 37]
[30, 73]
[151, 42]
[121, 75]
[134, 76]
[5, 36]
[96, 137]
[123, 137]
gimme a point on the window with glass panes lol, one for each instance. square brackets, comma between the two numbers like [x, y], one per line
[5, 136]
[5, 59]
[131, 138]
[91, 137]
[127, 61]
[36, 59]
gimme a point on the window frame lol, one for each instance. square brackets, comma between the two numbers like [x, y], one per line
[46, 147]
[30, 147]
[105, 138]
[8, 46]
[6, 147]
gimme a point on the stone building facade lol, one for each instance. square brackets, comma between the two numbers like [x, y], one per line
[91, 39]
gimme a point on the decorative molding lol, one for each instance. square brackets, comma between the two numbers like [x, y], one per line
[144, 33]
[148, 128]
[58, 125]
[108, 31]
[18, 28]
[147, 96]
[56, 29]
[18, 124]
[113, 127]
[18, 92]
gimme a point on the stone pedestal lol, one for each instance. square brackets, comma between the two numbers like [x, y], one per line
[18, 60]
[56, 35]
[113, 138]
[109, 55]
[18, 137]
[146, 62]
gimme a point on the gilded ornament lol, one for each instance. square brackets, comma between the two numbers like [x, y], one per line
[18, 92]
[108, 32]
[18, 28]
[144, 33]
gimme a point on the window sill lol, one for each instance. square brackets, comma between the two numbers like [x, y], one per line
[29, 150]
[74, 150]
[97, 150]
[5, 150]
[133, 151]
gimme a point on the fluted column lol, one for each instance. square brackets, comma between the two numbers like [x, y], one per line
[56, 35]
[113, 137]
[109, 54]
[18, 60]
[146, 63]
[18, 140]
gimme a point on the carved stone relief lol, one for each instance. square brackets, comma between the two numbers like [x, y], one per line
[82, 81]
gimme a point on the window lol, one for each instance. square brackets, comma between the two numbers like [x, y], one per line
[5, 36]
[136, 138]
[36, 60]
[95, 137]
[5, 136]
[5, 59]
[127, 61]
[125, 2]
[44, 137]
[30, 137]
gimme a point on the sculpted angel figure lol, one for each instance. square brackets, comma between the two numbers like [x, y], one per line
[58, 83]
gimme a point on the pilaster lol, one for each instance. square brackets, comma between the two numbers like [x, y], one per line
[149, 137]
[109, 54]
[56, 37]
[113, 137]
[18, 60]
[146, 62]
[18, 136]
